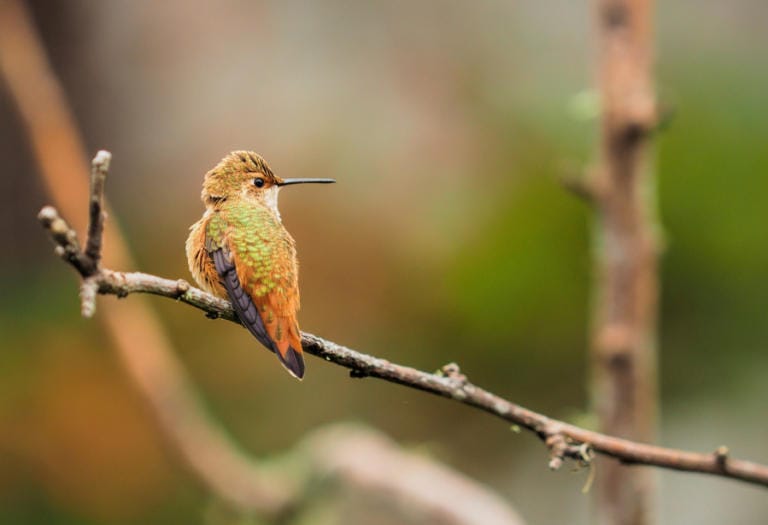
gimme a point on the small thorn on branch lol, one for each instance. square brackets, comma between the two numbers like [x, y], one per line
[557, 448]
[453, 372]
[585, 454]
[580, 183]
[182, 287]
[578, 187]
[721, 457]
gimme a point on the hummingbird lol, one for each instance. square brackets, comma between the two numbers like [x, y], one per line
[240, 251]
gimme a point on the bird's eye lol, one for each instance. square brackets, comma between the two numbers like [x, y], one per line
[258, 182]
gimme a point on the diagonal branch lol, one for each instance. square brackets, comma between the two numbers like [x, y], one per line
[563, 440]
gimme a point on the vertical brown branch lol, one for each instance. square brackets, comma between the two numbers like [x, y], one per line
[624, 330]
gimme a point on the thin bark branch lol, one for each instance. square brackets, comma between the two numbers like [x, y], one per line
[97, 213]
[65, 237]
[563, 439]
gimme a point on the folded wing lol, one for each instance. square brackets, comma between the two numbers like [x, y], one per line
[280, 333]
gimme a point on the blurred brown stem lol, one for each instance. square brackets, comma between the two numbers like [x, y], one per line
[364, 459]
[626, 287]
[143, 347]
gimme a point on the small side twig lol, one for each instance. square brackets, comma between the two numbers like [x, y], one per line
[580, 185]
[97, 215]
[65, 238]
[452, 371]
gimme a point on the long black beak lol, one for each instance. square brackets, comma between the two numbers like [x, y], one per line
[286, 182]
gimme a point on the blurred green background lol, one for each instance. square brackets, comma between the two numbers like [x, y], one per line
[447, 238]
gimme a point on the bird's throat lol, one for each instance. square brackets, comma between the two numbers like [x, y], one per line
[270, 199]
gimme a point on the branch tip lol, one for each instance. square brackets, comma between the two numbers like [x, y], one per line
[65, 239]
[101, 160]
[50, 219]
[47, 215]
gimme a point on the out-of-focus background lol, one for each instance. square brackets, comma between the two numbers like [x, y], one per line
[447, 238]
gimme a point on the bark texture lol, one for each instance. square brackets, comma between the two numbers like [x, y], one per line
[624, 330]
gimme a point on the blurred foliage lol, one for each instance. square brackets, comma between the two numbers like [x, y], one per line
[448, 238]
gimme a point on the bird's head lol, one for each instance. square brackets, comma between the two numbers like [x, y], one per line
[246, 175]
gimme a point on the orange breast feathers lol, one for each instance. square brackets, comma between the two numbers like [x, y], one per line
[199, 260]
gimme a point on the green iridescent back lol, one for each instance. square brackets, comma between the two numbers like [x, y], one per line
[263, 250]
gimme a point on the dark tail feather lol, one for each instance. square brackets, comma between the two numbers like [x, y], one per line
[293, 361]
[248, 313]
